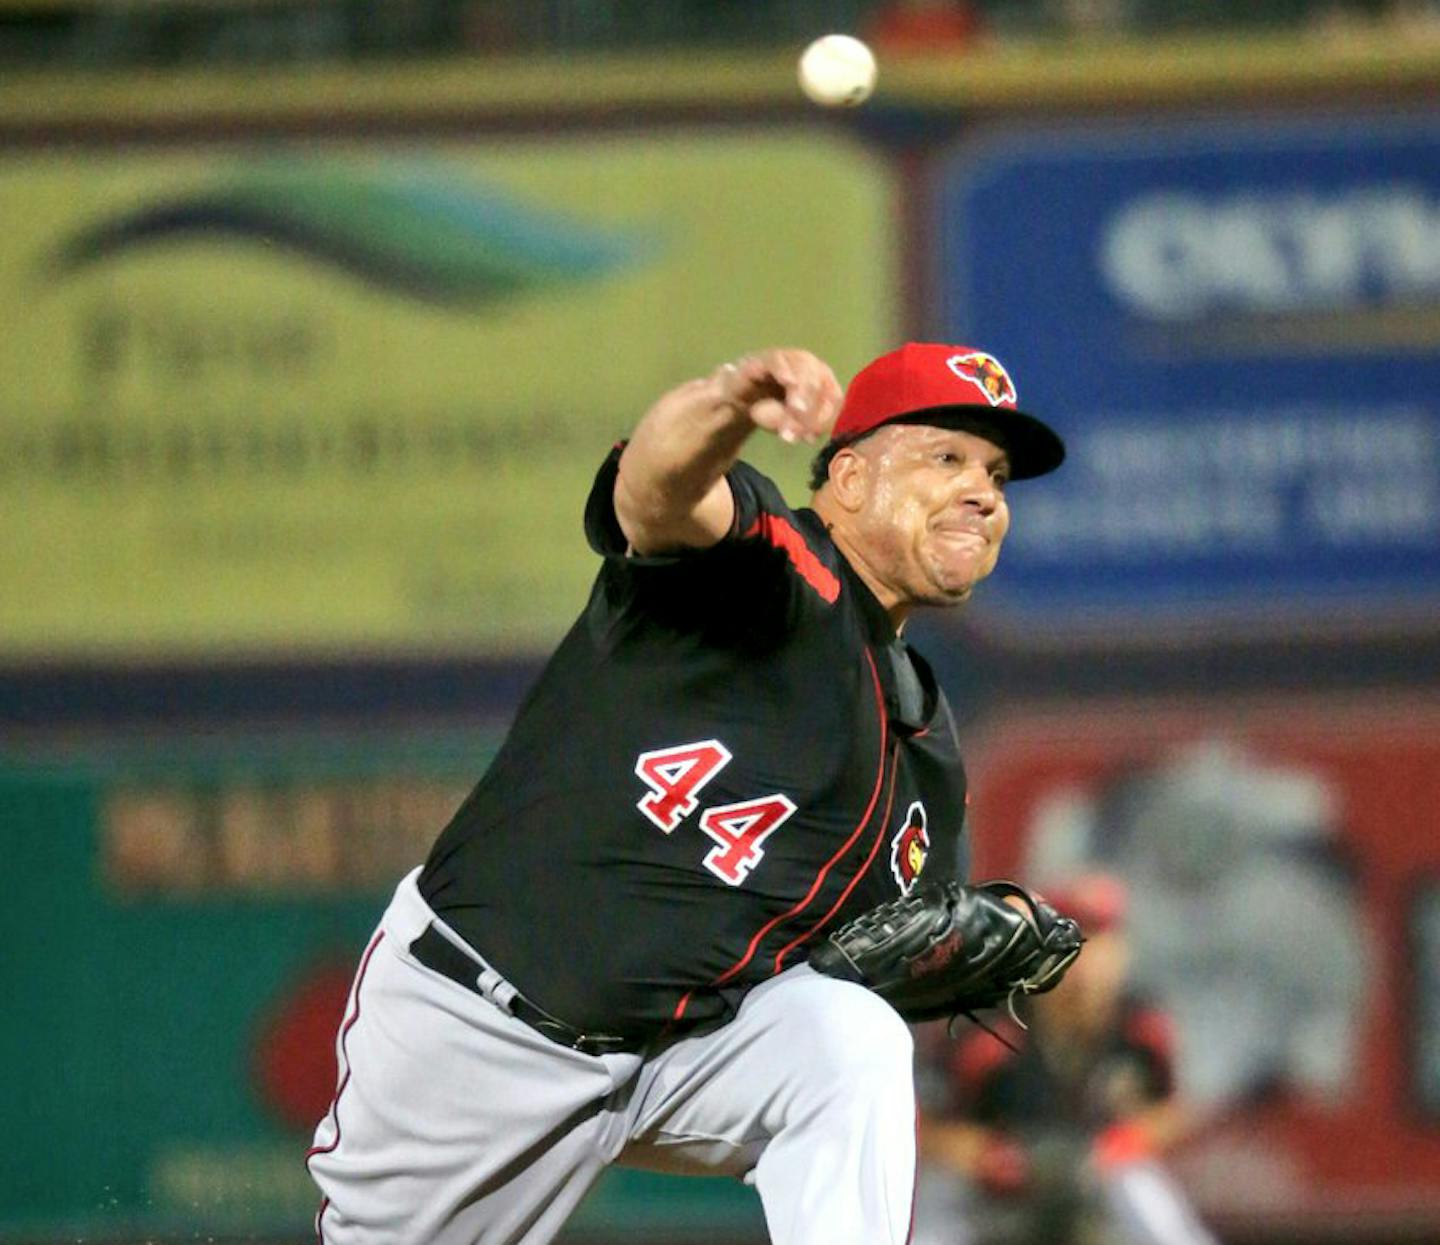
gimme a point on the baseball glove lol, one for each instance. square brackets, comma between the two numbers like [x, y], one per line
[947, 949]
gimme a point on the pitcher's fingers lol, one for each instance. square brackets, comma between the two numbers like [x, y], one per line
[803, 374]
[826, 411]
[821, 393]
[774, 416]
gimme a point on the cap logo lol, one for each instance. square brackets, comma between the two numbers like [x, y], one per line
[986, 374]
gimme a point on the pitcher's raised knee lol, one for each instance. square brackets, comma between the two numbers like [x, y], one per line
[843, 1036]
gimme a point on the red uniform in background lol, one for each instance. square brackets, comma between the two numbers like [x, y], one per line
[1059, 1139]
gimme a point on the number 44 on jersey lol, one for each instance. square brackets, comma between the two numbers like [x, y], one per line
[675, 777]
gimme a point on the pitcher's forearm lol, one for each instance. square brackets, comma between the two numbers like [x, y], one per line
[671, 488]
[671, 491]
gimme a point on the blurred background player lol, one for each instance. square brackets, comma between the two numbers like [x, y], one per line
[1060, 1138]
[1211, 842]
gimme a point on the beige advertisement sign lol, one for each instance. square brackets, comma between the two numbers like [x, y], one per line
[341, 398]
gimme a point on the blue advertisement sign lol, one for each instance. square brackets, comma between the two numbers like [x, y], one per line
[1236, 327]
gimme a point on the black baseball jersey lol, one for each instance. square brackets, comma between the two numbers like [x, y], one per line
[730, 751]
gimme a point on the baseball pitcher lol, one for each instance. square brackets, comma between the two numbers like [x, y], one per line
[717, 865]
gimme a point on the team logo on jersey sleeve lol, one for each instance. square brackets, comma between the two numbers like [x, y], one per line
[909, 848]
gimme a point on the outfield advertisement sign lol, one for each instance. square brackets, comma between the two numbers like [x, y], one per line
[1309, 1045]
[349, 396]
[168, 1044]
[1238, 330]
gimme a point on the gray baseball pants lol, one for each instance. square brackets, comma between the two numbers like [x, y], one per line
[456, 1124]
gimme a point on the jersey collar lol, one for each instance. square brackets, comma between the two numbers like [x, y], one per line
[911, 693]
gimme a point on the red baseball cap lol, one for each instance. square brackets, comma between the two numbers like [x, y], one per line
[952, 387]
[1098, 901]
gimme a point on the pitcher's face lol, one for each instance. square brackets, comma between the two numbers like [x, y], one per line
[934, 516]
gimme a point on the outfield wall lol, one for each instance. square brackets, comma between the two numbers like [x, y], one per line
[305, 373]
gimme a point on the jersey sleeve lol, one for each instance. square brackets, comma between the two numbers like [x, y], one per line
[754, 495]
[753, 587]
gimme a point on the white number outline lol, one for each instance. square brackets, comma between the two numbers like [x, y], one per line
[660, 792]
[728, 840]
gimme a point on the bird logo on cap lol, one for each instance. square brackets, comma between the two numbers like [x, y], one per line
[985, 372]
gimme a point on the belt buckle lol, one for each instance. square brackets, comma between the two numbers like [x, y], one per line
[562, 1034]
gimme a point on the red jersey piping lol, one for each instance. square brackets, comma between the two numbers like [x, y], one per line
[814, 572]
[860, 872]
[800, 906]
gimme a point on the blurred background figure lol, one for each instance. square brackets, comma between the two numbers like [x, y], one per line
[1243, 913]
[1060, 1138]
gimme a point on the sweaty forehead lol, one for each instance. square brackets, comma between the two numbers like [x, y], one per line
[908, 439]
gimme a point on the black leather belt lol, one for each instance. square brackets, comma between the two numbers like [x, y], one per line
[439, 954]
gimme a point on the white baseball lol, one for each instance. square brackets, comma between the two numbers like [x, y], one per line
[837, 71]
